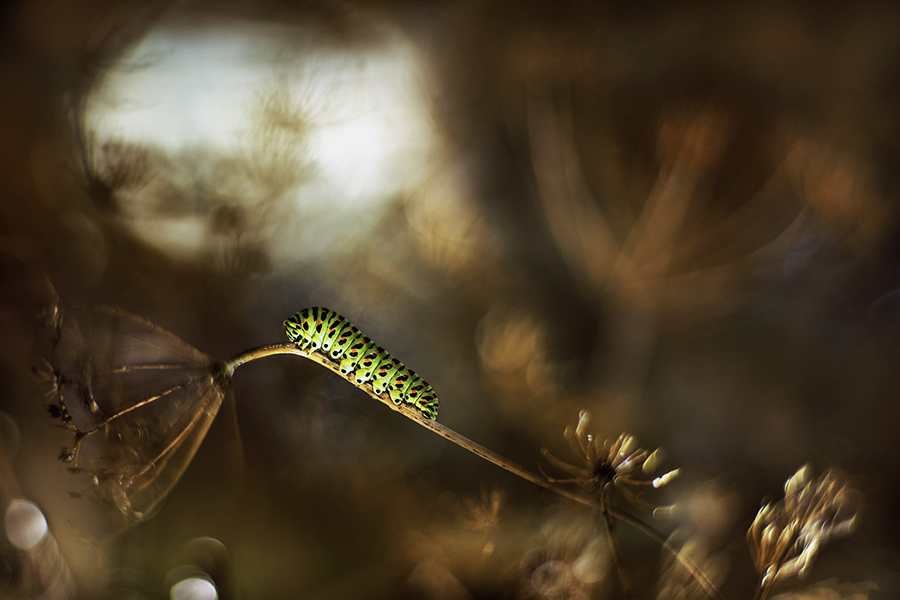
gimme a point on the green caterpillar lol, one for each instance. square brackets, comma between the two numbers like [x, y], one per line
[323, 330]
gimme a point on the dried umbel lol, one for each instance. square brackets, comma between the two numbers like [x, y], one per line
[482, 516]
[786, 536]
[608, 465]
[568, 559]
[137, 400]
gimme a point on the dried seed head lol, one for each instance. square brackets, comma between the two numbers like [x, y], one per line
[136, 399]
[612, 464]
[785, 537]
[482, 514]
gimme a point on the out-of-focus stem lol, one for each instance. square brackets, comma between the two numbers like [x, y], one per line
[614, 542]
[763, 591]
[489, 455]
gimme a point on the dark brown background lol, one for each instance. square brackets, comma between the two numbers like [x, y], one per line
[682, 219]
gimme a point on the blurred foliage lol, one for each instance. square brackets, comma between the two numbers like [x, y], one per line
[681, 218]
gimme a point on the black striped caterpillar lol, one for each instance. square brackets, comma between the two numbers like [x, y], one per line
[322, 330]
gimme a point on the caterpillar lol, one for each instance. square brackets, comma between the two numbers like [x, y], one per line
[322, 330]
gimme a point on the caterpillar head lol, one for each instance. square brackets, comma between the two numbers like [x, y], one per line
[293, 328]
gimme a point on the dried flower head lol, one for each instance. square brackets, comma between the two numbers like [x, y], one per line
[785, 537]
[483, 516]
[569, 558]
[606, 465]
[137, 400]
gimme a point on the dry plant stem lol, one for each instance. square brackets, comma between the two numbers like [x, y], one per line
[614, 543]
[763, 592]
[409, 412]
[150, 367]
[135, 406]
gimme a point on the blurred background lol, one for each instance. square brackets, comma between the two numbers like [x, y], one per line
[681, 219]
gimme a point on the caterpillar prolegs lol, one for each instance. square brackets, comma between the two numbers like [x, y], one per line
[323, 330]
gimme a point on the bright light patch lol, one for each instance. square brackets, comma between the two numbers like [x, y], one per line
[305, 139]
[194, 588]
[178, 88]
[25, 524]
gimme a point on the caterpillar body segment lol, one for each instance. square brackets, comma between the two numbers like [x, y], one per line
[345, 338]
[316, 329]
[365, 370]
[331, 329]
[322, 330]
[354, 354]
[398, 384]
[385, 372]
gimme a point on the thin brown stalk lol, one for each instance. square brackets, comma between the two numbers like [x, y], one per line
[614, 544]
[137, 405]
[151, 367]
[762, 592]
[161, 458]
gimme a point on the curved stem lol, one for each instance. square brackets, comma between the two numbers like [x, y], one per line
[262, 352]
[489, 455]
[409, 412]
